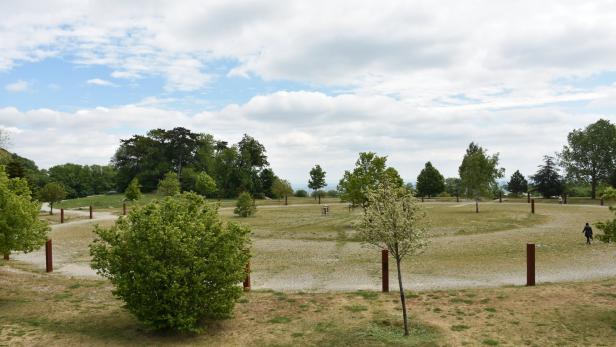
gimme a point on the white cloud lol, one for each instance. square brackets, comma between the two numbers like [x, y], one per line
[17, 87]
[100, 82]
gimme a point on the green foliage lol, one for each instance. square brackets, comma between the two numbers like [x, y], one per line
[517, 184]
[547, 180]
[267, 181]
[15, 169]
[20, 227]
[174, 262]
[133, 191]
[590, 153]
[332, 193]
[205, 185]
[369, 171]
[478, 172]
[245, 206]
[51, 193]
[453, 186]
[430, 182]
[170, 185]
[83, 180]
[317, 178]
[300, 193]
[282, 188]
[608, 227]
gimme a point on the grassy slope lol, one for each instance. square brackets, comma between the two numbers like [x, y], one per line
[40, 309]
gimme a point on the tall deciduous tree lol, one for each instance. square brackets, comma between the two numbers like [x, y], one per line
[430, 182]
[52, 193]
[547, 180]
[478, 171]
[590, 154]
[517, 184]
[20, 226]
[317, 180]
[452, 186]
[170, 185]
[282, 188]
[393, 219]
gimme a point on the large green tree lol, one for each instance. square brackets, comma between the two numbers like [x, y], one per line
[452, 186]
[205, 185]
[317, 180]
[517, 184]
[20, 226]
[174, 262]
[478, 171]
[369, 171]
[590, 153]
[52, 193]
[547, 180]
[430, 182]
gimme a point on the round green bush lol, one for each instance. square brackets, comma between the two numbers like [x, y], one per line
[174, 262]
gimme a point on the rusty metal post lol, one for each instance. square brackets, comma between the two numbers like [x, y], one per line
[532, 206]
[476, 206]
[247, 278]
[61, 215]
[500, 197]
[457, 197]
[385, 269]
[528, 197]
[124, 209]
[6, 256]
[565, 199]
[530, 264]
[48, 256]
[91, 214]
[285, 201]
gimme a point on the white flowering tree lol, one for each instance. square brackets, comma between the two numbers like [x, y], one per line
[394, 220]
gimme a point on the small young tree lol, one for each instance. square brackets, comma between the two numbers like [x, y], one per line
[133, 191]
[430, 182]
[20, 226]
[51, 193]
[170, 185]
[517, 184]
[317, 180]
[174, 262]
[205, 185]
[244, 206]
[282, 188]
[394, 219]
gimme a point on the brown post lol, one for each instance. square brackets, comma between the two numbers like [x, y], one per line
[422, 199]
[476, 206]
[602, 202]
[500, 196]
[457, 197]
[247, 278]
[48, 256]
[385, 269]
[530, 264]
[6, 256]
[532, 206]
[124, 209]
[91, 214]
[61, 215]
[285, 200]
[528, 197]
[565, 199]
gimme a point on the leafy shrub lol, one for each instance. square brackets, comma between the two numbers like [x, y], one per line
[174, 262]
[170, 185]
[245, 206]
[133, 191]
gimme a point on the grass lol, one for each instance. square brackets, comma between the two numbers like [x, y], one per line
[37, 310]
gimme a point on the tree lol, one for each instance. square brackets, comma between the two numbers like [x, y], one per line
[20, 227]
[517, 184]
[430, 182]
[393, 219]
[51, 193]
[133, 191]
[452, 186]
[547, 180]
[478, 172]
[245, 206]
[369, 171]
[300, 193]
[317, 180]
[282, 188]
[267, 181]
[170, 185]
[609, 226]
[205, 185]
[14, 169]
[591, 153]
[174, 262]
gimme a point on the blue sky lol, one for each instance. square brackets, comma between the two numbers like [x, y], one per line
[316, 82]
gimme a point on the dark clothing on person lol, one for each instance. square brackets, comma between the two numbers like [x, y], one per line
[588, 233]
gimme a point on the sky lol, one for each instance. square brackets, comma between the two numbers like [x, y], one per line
[314, 81]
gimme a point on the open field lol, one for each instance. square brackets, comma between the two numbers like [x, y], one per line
[38, 309]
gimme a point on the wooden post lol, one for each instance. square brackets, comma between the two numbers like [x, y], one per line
[247, 278]
[285, 201]
[385, 270]
[124, 209]
[476, 206]
[91, 213]
[61, 215]
[530, 264]
[319, 194]
[602, 202]
[457, 197]
[6, 256]
[528, 197]
[500, 197]
[532, 206]
[565, 199]
[48, 256]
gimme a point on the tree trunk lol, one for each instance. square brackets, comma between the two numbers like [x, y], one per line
[6, 256]
[319, 198]
[51, 208]
[285, 200]
[402, 297]
[593, 184]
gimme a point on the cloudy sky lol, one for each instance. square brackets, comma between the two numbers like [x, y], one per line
[315, 81]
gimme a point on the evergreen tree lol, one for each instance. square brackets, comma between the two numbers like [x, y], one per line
[244, 206]
[517, 184]
[170, 185]
[547, 180]
[430, 182]
[133, 191]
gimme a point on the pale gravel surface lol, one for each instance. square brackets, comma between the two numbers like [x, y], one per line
[303, 265]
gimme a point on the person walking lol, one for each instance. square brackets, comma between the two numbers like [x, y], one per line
[588, 233]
